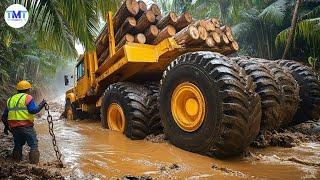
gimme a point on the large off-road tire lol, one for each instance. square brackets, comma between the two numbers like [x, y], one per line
[124, 108]
[268, 91]
[309, 106]
[155, 125]
[227, 105]
[70, 111]
[289, 90]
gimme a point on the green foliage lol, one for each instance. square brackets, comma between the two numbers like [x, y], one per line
[312, 62]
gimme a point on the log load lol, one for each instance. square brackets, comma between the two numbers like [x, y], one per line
[140, 38]
[126, 27]
[134, 22]
[183, 21]
[170, 19]
[145, 21]
[127, 9]
[142, 9]
[124, 40]
[151, 33]
[167, 32]
[187, 35]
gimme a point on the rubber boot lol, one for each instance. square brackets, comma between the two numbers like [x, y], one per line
[34, 156]
[17, 155]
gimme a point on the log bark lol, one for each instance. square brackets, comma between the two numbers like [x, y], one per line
[128, 8]
[103, 56]
[124, 40]
[145, 21]
[183, 21]
[158, 18]
[209, 42]
[170, 19]
[167, 32]
[142, 9]
[155, 9]
[187, 35]
[140, 38]
[126, 27]
[151, 33]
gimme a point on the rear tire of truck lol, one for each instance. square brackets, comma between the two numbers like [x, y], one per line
[206, 106]
[269, 93]
[70, 111]
[289, 90]
[155, 125]
[124, 109]
[309, 106]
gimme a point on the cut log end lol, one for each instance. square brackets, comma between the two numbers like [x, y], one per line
[234, 46]
[216, 37]
[155, 9]
[210, 42]
[140, 38]
[132, 6]
[203, 34]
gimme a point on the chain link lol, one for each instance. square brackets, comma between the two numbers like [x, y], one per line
[54, 142]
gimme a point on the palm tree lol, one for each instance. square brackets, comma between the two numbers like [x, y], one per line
[59, 23]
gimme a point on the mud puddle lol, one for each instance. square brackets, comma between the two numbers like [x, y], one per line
[92, 152]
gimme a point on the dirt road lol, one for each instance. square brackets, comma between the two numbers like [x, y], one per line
[92, 152]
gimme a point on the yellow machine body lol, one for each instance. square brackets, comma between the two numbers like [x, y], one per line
[132, 60]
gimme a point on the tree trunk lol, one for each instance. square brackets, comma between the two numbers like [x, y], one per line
[210, 42]
[155, 9]
[203, 35]
[126, 27]
[124, 40]
[170, 19]
[151, 33]
[142, 9]
[140, 38]
[187, 35]
[145, 21]
[183, 21]
[128, 8]
[167, 32]
[292, 30]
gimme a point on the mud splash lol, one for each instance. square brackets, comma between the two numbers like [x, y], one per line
[92, 152]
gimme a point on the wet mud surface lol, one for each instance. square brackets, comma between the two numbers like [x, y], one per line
[90, 152]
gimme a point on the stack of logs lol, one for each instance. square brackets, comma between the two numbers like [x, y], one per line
[134, 22]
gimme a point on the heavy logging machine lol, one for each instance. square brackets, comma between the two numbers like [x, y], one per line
[152, 73]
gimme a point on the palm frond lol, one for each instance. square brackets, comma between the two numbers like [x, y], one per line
[274, 13]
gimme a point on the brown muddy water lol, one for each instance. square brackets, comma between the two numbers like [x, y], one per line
[92, 152]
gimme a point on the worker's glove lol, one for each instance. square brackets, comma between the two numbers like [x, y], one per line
[43, 104]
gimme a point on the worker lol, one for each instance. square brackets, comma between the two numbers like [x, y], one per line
[18, 117]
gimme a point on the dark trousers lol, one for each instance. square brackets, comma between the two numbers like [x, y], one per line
[23, 135]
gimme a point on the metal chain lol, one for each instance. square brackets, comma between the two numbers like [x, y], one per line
[54, 142]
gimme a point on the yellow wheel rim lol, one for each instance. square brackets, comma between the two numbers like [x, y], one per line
[69, 114]
[115, 117]
[188, 106]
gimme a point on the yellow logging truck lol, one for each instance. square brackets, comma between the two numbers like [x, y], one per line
[178, 83]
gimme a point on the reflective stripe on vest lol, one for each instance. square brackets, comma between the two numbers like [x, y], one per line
[17, 108]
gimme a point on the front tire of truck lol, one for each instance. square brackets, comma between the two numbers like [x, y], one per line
[124, 109]
[207, 106]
